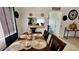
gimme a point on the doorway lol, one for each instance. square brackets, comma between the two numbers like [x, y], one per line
[55, 22]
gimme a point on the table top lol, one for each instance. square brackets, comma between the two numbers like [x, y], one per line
[18, 46]
[22, 43]
[47, 48]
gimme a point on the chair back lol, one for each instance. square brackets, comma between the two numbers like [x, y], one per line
[48, 39]
[45, 35]
[57, 44]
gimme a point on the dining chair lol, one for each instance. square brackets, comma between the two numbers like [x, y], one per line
[45, 34]
[49, 39]
[57, 44]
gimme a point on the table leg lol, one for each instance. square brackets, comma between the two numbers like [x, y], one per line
[64, 33]
[75, 34]
[67, 34]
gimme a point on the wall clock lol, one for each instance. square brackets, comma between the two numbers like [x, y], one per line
[73, 14]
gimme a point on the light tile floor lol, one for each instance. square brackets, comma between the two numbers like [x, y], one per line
[72, 44]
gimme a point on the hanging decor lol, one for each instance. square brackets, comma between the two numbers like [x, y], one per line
[16, 14]
[42, 14]
[73, 14]
[30, 14]
[64, 17]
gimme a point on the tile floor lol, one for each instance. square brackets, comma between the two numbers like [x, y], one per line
[72, 44]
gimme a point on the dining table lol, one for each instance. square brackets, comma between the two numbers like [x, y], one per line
[29, 42]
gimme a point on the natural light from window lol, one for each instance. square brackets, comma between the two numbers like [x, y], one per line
[40, 20]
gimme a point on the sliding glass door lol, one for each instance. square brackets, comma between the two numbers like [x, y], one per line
[7, 20]
[4, 22]
[2, 38]
[9, 17]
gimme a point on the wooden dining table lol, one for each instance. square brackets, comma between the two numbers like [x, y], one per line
[47, 48]
[15, 46]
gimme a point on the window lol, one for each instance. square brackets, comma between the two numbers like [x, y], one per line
[10, 20]
[7, 21]
[3, 22]
[40, 20]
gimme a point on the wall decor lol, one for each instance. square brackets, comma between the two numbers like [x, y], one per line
[42, 14]
[64, 17]
[30, 14]
[73, 26]
[30, 21]
[73, 14]
[16, 14]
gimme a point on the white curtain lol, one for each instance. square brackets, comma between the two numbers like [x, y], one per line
[2, 38]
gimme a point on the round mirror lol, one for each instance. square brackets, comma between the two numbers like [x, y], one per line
[64, 17]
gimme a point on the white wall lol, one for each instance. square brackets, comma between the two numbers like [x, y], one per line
[24, 13]
[36, 11]
[65, 11]
[19, 21]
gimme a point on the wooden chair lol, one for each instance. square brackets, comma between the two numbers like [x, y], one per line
[57, 44]
[45, 35]
[48, 39]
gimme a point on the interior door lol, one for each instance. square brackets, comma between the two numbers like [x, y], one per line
[54, 22]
